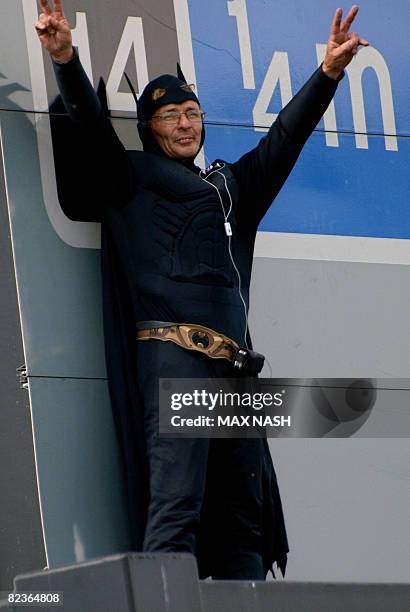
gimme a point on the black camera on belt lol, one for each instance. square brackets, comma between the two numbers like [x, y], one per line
[248, 362]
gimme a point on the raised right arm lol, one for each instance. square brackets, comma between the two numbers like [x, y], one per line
[113, 174]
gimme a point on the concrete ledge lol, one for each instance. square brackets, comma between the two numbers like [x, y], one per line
[169, 583]
[304, 597]
[127, 583]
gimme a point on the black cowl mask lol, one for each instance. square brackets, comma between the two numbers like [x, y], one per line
[165, 89]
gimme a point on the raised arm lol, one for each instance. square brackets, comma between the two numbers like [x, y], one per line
[112, 173]
[262, 171]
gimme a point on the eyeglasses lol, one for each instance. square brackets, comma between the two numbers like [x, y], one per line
[173, 117]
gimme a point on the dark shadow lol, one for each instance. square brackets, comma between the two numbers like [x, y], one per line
[341, 410]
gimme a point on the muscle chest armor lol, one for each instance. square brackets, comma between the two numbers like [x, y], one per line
[175, 223]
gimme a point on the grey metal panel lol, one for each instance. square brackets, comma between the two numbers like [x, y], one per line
[14, 61]
[60, 306]
[104, 27]
[346, 504]
[21, 541]
[309, 597]
[331, 319]
[79, 470]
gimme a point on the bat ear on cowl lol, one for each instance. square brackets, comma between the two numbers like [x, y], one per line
[180, 74]
[102, 96]
[130, 85]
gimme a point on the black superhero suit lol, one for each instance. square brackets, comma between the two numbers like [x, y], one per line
[165, 258]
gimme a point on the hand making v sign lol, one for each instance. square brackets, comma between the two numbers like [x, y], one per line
[342, 45]
[54, 31]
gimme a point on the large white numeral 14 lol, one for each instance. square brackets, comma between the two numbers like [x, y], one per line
[132, 37]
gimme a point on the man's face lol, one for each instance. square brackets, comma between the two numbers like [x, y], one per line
[180, 140]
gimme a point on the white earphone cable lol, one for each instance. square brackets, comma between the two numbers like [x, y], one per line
[226, 219]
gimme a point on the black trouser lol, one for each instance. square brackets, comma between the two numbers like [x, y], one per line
[205, 495]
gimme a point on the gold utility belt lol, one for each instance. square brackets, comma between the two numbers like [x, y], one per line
[190, 336]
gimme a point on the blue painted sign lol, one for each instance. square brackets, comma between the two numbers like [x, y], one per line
[352, 178]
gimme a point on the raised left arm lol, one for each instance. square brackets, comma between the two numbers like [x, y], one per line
[262, 171]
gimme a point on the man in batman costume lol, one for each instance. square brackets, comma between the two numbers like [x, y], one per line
[177, 247]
